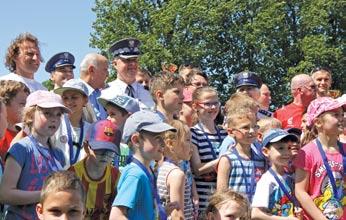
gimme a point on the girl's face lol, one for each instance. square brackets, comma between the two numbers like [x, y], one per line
[74, 100]
[230, 210]
[47, 121]
[207, 106]
[3, 119]
[183, 149]
[332, 122]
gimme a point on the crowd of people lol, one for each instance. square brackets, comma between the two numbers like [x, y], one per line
[161, 146]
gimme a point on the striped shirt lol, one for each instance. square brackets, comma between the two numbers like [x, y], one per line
[245, 182]
[99, 193]
[164, 170]
[208, 149]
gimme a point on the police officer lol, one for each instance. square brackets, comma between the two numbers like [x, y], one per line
[125, 55]
[250, 83]
[60, 66]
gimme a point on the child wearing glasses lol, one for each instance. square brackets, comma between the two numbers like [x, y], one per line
[206, 139]
[241, 167]
[98, 176]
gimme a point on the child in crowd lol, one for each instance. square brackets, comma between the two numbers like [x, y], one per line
[206, 139]
[187, 113]
[62, 197]
[274, 191]
[98, 176]
[70, 135]
[119, 108]
[242, 166]
[172, 183]
[227, 204]
[14, 95]
[32, 159]
[3, 126]
[167, 92]
[143, 77]
[137, 196]
[320, 165]
[238, 102]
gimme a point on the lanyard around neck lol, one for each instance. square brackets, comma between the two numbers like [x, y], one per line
[250, 188]
[51, 157]
[208, 140]
[74, 157]
[151, 177]
[283, 188]
[337, 193]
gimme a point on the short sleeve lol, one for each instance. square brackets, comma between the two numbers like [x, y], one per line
[262, 194]
[19, 152]
[128, 192]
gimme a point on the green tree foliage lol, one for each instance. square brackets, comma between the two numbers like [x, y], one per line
[274, 38]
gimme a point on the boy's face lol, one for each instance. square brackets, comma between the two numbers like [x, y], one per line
[74, 100]
[116, 116]
[229, 210]
[279, 153]
[15, 107]
[173, 99]
[245, 131]
[103, 157]
[152, 145]
[294, 146]
[61, 205]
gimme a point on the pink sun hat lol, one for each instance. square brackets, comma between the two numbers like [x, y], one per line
[321, 105]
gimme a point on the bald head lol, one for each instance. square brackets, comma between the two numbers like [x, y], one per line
[300, 80]
[94, 70]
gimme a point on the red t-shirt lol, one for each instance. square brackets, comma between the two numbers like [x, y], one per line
[290, 116]
[5, 142]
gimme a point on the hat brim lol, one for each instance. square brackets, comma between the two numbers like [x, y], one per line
[65, 64]
[103, 145]
[158, 128]
[128, 56]
[280, 137]
[247, 84]
[61, 90]
[54, 105]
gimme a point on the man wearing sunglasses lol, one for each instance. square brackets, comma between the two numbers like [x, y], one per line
[303, 90]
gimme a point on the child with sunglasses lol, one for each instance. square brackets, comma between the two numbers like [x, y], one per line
[96, 172]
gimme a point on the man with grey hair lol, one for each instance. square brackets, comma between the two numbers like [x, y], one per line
[94, 72]
[303, 91]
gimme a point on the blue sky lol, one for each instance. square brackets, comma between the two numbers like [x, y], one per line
[63, 25]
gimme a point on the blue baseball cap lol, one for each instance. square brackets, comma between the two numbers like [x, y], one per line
[144, 120]
[73, 84]
[276, 135]
[247, 78]
[60, 60]
[128, 103]
[104, 135]
[125, 48]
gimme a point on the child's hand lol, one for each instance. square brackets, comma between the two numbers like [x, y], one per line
[298, 212]
[195, 206]
[170, 207]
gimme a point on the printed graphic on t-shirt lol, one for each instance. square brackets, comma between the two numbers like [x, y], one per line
[283, 206]
[330, 206]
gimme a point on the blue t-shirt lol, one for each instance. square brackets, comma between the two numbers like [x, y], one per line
[135, 193]
[37, 162]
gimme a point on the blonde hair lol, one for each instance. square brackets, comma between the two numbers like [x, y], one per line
[238, 102]
[28, 116]
[233, 119]
[267, 123]
[175, 137]
[198, 93]
[62, 181]
[223, 196]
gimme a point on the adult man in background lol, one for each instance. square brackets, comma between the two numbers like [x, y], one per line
[60, 66]
[125, 55]
[265, 97]
[303, 90]
[23, 58]
[94, 72]
[323, 80]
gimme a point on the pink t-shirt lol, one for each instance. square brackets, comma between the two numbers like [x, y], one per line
[320, 189]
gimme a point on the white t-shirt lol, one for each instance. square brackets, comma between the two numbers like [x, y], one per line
[32, 84]
[269, 195]
[60, 140]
